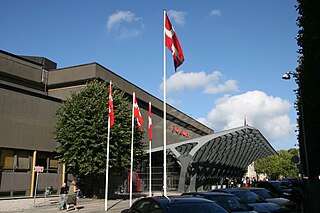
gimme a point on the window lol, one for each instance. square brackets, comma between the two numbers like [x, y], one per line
[7, 159]
[48, 161]
[23, 160]
[14, 160]
[53, 163]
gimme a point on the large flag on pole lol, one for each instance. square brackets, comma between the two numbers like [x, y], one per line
[111, 110]
[150, 140]
[171, 41]
[173, 44]
[137, 113]
[110, 123]
[150, 122]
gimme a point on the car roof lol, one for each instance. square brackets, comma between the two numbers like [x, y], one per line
[175, 199]
[217, 193]
[253, 188]
[228, 190]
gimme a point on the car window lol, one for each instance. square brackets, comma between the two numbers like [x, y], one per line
[141, 206]
[230, 203]
[263, 193]
[155, 208]
[247, 196]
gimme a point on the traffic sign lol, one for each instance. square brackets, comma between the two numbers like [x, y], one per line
[38, 168]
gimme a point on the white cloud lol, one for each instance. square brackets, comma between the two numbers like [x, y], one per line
[209, 83]
[267, 113]
[173, 101]
[215, 12]
[179, 17]
[124, 24]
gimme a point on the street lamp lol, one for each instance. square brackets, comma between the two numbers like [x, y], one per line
[287, 76]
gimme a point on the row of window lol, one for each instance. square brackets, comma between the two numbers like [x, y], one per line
[15, 160]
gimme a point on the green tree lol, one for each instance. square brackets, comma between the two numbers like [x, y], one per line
[278, 165]
[81, 131]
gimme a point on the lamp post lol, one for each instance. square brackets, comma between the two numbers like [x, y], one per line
[287, 76]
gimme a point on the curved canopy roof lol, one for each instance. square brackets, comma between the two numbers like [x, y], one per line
[219, 155]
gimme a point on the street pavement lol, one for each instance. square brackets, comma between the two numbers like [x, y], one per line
[52, 205]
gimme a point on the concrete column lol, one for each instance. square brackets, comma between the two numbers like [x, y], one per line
[32, 173]
[184, 161]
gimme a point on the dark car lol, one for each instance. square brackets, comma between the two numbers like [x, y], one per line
[174, 205]
[270, 197]
[258, 203]
[281, 188]
[227, 201]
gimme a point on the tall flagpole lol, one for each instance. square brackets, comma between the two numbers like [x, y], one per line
[164, 109]
[150, 168]
[107, 165]
[107, 168]
[131, 166]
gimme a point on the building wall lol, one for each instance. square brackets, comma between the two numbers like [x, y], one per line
[27, 121]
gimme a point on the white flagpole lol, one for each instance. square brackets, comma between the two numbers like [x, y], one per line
[107, 164]
[150, 176]
[164, 109]
[131, 166]
[107, 168]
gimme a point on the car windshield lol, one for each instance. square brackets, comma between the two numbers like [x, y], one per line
[280, 185]
[248, 197]
[263, 193]
[195, 207]
[230, 203]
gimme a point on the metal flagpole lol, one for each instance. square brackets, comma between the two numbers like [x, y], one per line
[164, 109]
[131, 166]
[107, 166]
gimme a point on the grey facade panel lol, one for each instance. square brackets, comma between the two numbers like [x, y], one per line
[20, 68]
[26, 121]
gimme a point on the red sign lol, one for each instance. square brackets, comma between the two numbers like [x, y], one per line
[38, 169]
[179, 131]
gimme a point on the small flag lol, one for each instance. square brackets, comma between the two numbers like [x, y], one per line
[150, 121]
[173, 44]
[111, 110]
[137, 113]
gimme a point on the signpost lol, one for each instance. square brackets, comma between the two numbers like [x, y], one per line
[37, 169]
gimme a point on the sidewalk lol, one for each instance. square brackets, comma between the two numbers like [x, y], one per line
[51, 204]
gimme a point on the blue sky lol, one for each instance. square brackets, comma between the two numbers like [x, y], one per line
[235, 52]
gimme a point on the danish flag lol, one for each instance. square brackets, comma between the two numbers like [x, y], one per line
[150, 121]
[173, 44]
[111, 110]
[137, 113]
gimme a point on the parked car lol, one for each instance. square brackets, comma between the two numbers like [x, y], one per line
[281, 188]
[258, 203]
[270, 197]
[228, 201]
[174, 205]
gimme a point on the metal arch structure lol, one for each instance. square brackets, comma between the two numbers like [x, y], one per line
[218, 155]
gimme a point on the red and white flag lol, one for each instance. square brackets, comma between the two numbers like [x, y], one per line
[150, 121]
[173, 44]
[111, 110]
[137, 113]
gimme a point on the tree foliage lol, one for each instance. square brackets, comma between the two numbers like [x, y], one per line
[81, 131]
[308, 80]
[278, 165]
